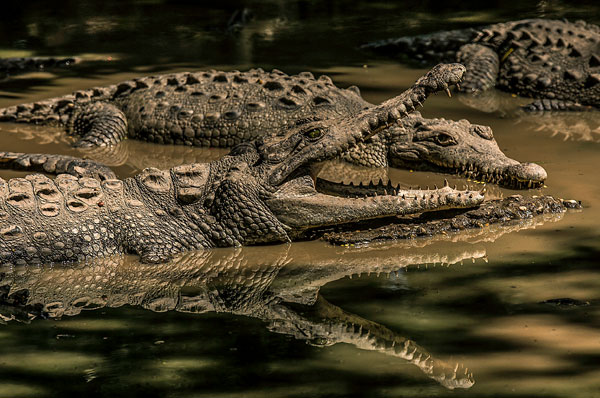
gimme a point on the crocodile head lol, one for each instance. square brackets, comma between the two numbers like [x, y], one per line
[462, 148]
[288, 164]
[310, 142]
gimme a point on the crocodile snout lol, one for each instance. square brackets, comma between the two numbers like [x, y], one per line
[528, 172]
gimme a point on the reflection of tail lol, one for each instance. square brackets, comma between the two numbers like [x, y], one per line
[325, 324]
[568, 126]
[433, 47]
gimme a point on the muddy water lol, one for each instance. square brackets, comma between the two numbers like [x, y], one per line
[472, 301]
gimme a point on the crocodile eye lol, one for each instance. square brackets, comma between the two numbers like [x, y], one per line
[314, 134]
[443, 139]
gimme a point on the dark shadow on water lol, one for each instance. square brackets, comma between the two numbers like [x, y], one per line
[312, 33]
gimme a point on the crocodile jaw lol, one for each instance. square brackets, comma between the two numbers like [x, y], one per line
[300, 205]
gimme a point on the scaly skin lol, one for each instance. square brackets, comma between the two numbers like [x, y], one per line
[453, 147]
[557, 62]
[515, 210]
[237, 107]
[206, 108]
[262, 192]
[416, 143]
[278, 287]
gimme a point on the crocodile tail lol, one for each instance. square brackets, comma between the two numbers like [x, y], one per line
[58, 110]
[53, 111]
[55, 164]
[433, 47]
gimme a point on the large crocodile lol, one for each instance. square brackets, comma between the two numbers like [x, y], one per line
[557, 62]
[221, 109]
[264, 191]
[279, 286]
[416, 143]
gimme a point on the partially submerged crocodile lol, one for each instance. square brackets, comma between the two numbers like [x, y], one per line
[16, 65]
[222, 109]
[415, 143]
[279, 286]
[262, 192]
[557, 62]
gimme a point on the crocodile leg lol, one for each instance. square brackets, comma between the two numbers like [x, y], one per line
[55, 164]
[482, 65]
[98, 124]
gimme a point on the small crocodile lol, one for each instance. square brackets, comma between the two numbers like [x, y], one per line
[13, 66]
[279, 287]
[222, 109]
[264, 191]
[557, 62]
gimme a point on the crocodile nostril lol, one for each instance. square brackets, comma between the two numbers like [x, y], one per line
[528, 172]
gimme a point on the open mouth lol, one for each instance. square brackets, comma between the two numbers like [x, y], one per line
[306, 201]
[301, 200]
[383, 189]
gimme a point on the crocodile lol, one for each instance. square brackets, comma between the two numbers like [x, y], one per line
[264, 191]
[555, 62]
[222, 109]
[17, 65]
[439, 145]
[515, 209]
[280, 287]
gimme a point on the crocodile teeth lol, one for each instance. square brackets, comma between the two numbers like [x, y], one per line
[394, 115]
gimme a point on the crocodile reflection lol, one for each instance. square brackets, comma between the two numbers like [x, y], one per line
[568, 126]
[279, 286]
